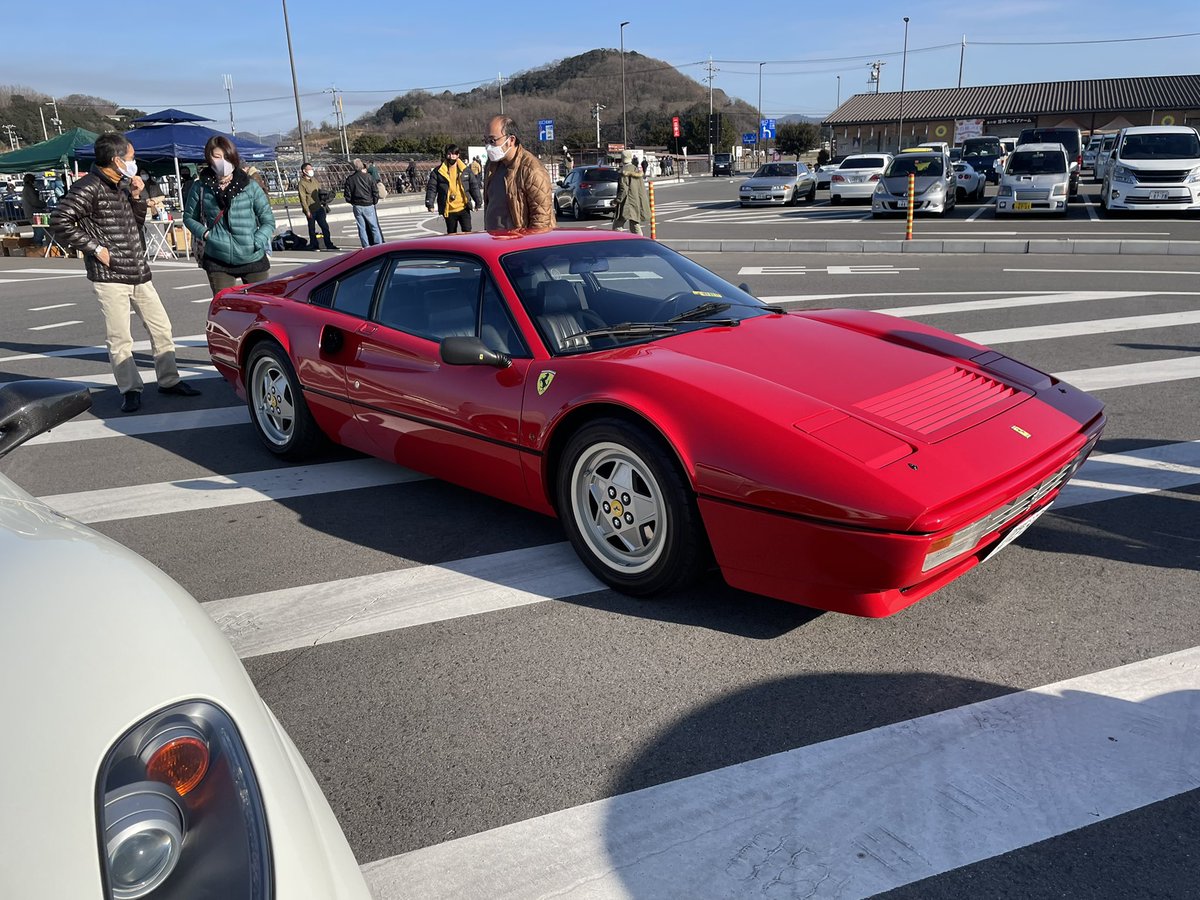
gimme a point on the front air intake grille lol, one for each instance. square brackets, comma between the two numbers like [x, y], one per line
[939, 401]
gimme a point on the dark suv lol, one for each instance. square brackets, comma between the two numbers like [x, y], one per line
[982, 153]
[722, 164]
[1071, 138]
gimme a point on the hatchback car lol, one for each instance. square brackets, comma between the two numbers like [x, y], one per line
[933, 184]
[1070, 138]
[722, 164]
[142, 761]
[778, 182]
[856, 177]
[1036, 179]
[1153, 167]
[586, 191]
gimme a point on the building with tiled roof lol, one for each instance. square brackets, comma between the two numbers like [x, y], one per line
[871, 121]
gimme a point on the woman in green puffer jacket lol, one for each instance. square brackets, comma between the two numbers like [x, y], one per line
[228, 211]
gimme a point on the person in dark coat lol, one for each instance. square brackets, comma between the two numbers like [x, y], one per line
[102, 217]
[362, 193]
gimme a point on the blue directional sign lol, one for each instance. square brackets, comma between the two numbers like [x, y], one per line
[748, 137]
[545, 129]
[766, 129]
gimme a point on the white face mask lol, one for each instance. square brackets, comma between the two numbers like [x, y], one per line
[496, 152]
[126, 166]
[222, 167]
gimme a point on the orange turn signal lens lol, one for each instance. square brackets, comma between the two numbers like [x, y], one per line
[180, 762]
[941, 543]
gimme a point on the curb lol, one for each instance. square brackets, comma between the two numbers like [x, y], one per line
[1060, 246]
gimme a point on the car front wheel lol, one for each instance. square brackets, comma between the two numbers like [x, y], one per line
[628, 510]
[277, 406]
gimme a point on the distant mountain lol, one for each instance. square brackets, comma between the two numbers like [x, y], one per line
[27, 108]
[565, 91]
[796, 117]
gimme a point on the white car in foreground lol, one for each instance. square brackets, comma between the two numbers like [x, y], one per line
[1153, 167]
[139, 759]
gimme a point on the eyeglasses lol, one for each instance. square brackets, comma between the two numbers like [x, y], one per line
[489, 140]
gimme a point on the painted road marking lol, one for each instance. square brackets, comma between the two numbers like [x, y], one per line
[192, 340]
[859, 815]
[1075, 329]
[54, 306]
[1104, 271]
[937, 309]
[130, 426]
[56, 325]
[188, 372]
[1103, 378]
[852, 269]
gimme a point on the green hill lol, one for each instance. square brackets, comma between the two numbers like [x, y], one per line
[24, 108]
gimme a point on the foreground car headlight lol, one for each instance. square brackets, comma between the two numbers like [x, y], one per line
[1125, 174]
[1194, 175]
[1005, 191]
[180, 811]
[1060, 190]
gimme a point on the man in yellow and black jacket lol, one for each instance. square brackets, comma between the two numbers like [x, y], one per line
[456, 189]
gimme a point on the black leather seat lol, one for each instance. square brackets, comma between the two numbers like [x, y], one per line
[563, 315]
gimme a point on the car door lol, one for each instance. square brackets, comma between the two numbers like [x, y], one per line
[566, 193]
[458, 423]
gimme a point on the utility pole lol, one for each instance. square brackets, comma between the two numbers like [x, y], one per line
[624, 120]
[961, 55]
[876, 70]
[295, 89]
[712, 71]
[903, 69]
[596, 107]
[758, 138]
[13, 141]
[45, 133]
[229, 93]
[56, 121]
[339, 119]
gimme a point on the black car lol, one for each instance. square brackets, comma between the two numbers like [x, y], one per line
[1071, 138]
[981, 154]
[722, 164]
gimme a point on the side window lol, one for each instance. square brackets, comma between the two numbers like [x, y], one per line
[355, 291]
[498, 331]
[432, 298]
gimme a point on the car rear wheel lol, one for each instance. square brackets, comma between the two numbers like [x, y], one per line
[812, 193]
[628, 510]
[576, 212]
[277, 406]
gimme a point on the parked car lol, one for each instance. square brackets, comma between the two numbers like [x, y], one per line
[141, 760]
[1103, 155]
[1153, 167]
[1037, 178]
[983, 153]
[586, 191]
[1070, 138]
[856, 177]
[971, 184]
[933, 187]
[956, 154]
[1090, 151]
[722, 164]
[778, 182]
[672, 421]
[825, 173]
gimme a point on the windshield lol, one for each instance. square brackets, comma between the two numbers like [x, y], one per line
[573, 288]
[981, 147]
[1068, 137]
[920, 166]
[1037, 162]
[776, 170]
[863, 162]
[1164, 145]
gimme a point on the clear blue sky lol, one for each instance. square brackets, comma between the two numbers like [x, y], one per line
[373, 50]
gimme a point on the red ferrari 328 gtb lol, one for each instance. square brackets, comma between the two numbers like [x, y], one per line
[841, 459]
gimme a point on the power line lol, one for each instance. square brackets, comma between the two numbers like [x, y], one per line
[1158, 37]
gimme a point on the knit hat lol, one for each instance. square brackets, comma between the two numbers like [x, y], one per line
[626, 156]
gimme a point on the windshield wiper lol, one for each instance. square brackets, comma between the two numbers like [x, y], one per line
[625, 329]
[704, 309]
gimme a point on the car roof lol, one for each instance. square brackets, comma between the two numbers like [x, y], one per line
[1158, 129]
[1043, 147]
[867, 155]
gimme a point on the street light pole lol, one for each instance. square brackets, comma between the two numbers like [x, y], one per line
[839, 100]
[295, 89]
[45, 133]
[759, 137]
[903, 69]
[624, 121]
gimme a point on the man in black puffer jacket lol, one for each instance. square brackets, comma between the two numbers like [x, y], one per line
[102, 216]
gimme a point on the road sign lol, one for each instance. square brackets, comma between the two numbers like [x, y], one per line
[766, 129]
[749, 138]
[545, 129]
[615, 148]
[675, 126]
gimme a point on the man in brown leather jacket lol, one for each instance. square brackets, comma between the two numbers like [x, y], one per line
[102, 216]
[516, 186]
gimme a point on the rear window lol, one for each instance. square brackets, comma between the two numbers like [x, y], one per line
[981, 147]
[1166, 145]
[863, 162]
[722, 157]
[916, 165]
[1068, 137]
[1036, 162]
[594, 175]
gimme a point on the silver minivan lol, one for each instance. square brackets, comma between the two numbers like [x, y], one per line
[1036, 178]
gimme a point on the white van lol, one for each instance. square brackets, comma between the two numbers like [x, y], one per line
[1037, 178]
[1153, 167]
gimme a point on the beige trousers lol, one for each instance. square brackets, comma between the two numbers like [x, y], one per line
[116, 301]
[619, 225]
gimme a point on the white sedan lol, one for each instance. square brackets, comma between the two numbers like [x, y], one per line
[971, 183]
[141, 761]
[856, 176]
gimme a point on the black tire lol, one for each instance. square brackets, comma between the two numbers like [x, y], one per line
[812, 193]
[616, 479]
[576, 212]
[271, 390]
[835, 200]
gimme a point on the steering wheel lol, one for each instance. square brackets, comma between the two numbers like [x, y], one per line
[661, 310]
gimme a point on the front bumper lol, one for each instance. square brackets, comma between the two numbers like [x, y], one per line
[890, 203]
[1159, 197]
[1008, 205]
[769, 197]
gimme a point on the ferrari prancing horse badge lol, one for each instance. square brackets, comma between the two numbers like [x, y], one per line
[543, 382]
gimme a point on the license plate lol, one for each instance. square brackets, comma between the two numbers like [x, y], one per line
[761, 197]
[1022, 204]
[1015, 533]
[1159, 195]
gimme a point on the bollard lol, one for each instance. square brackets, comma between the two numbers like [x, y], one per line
[912, 178]
[653, 224]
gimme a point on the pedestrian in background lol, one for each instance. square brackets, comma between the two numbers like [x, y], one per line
[455, 189]
[102, 216]
[362, 193]
[633, 203]
[645, 163]
[373, 172]
[313, 207]
[31, 199]
[228, 211]
[411, 172]
[516, 188]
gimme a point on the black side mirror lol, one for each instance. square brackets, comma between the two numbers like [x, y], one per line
[471, 351]
[27, 408]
